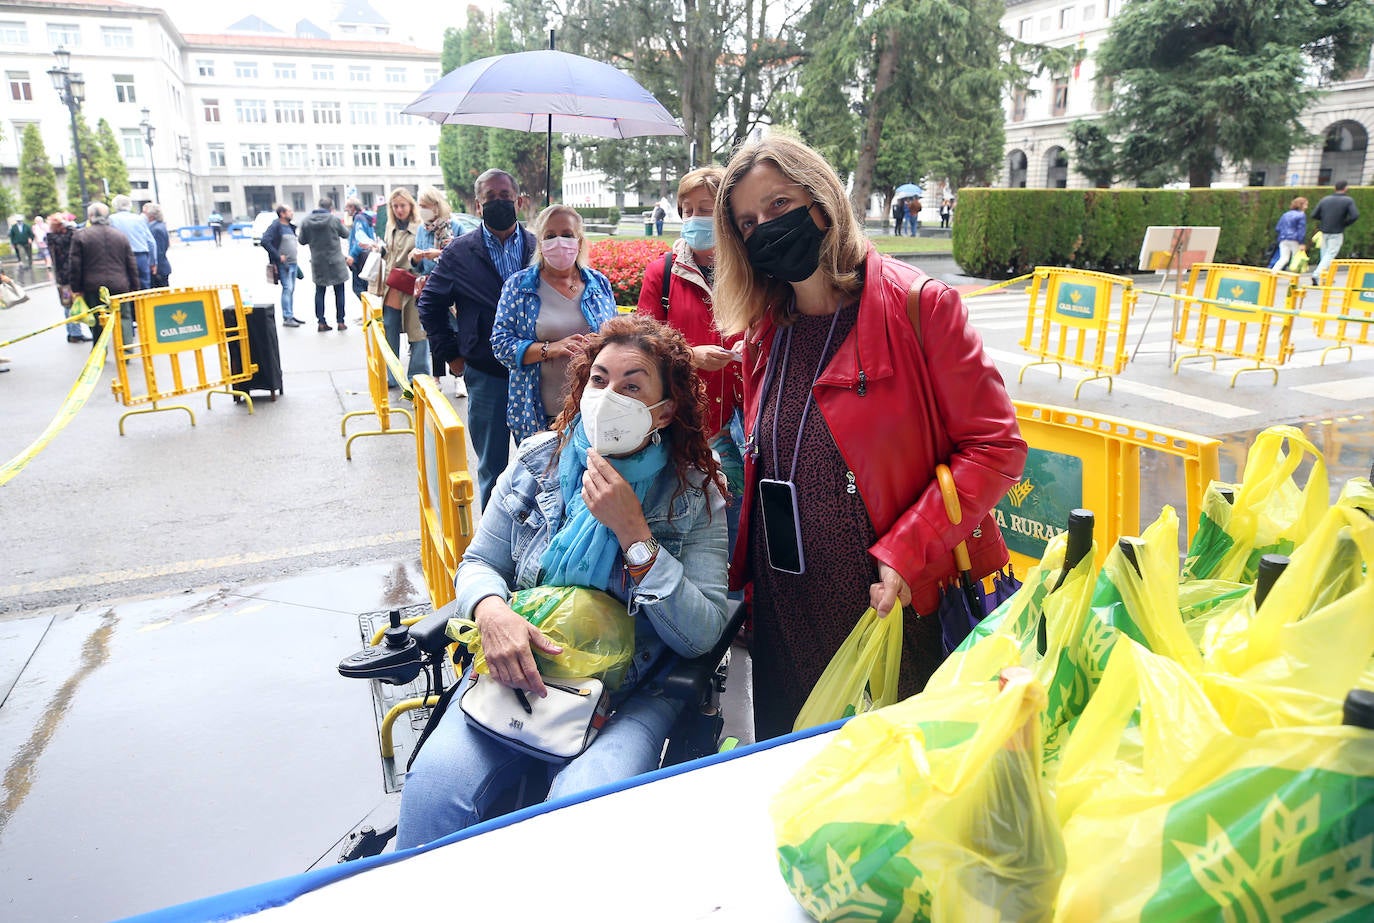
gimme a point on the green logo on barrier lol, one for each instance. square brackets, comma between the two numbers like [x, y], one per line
[1242, 292]
[181, 320]
[1367, 283]
[1075, 300]
[1268, 844]
[1037, 509]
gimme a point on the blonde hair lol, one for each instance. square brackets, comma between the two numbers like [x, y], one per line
[1299, 203]
[743, 295]
[436, 198]
[707, 178]
[404, 194]
[542, 221]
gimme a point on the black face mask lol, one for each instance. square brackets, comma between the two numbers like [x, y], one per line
[788, 247]
[498, 214]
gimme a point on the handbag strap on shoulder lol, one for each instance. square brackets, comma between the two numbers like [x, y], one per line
[913, 307]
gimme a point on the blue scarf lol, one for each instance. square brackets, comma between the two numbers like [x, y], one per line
[583, 551]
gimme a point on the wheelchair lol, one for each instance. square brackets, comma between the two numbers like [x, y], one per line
[407, 649]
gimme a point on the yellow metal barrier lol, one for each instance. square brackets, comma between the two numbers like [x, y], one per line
[172, 324]
[379, 357]
[1239, 299]
[1347, 311]
[1092, 461]
[446, 488]
[1075, 322]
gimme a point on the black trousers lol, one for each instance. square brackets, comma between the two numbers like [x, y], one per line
[338, 300]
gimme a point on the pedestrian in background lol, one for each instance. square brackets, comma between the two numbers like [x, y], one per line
[395, 283]
[913, 215]
[40, 237]
[360, 233]
[659, 215]
[946, 212]
[216, 226]
[103, 257]
[59, 259]
[283, 250]
[322, 232]
[21, 239]
[1292, 231]
[132, 226]
[898, 216]
[162, 272]
[1333, 214]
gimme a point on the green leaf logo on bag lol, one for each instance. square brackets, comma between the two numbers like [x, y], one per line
[1269, 845]
[856, 867]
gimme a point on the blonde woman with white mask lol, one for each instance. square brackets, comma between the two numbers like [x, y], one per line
[544, 317]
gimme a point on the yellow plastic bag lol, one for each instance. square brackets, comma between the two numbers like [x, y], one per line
[862, 675]
[1168, 815]
[931, 810]
[593, 628]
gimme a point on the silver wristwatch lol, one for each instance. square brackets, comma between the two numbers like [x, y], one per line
[641, 553]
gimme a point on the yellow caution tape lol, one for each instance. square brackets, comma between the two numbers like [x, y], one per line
[997, 286]
[62, 323]
[393, 362]
[76, 399]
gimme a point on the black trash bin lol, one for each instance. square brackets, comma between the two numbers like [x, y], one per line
[263, 350]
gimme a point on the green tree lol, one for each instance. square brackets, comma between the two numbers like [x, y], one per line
[91, 164]
[37, 179]
[112, 166]
[1197, 82]
[1094, 155]
[8, 203]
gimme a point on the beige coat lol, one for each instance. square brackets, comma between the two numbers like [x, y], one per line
[396, 250]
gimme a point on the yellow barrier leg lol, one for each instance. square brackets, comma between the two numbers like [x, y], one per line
[348, 446]
[155, 409]
[1030, 365]
[231, 392]
[1350, 352]
[343, 424]
[397, 710]
[1256, 368]
[1109, 379]
[1181, 359]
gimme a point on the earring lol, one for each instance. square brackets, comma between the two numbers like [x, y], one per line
[655, 437]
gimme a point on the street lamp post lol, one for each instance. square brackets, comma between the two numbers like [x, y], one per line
[72, 90]
[190, 179]
[148, 137]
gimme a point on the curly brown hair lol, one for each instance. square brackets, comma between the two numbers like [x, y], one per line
[686, 434]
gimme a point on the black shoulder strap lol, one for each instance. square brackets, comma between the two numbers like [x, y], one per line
[667, 281]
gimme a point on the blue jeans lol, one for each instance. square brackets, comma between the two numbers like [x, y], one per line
[460, 772]
[286, 273]
[487, 426]
[320, 291]
[419, 351]
[145, 269]
[1331, 248]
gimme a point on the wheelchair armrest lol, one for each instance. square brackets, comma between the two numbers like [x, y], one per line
[430, 634]
[689, 680]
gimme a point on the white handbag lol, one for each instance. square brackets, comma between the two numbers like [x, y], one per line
[556, 728]
[371, 266]
[12, 293]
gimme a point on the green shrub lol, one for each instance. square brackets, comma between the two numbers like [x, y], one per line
[1004, 232]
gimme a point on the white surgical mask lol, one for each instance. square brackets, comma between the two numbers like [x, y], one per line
[614, 423]
[560, 252]
[426, 214]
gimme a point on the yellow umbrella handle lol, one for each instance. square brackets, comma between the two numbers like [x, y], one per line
[956, 515]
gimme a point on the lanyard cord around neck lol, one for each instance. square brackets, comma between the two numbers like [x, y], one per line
[810, 396]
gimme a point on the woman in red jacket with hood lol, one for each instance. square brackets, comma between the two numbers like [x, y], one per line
[851, 400]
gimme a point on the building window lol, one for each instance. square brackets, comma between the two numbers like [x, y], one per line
[246, 70]
[1089, 13]
[211, 107]
[395, 75]
[282, 71]
[401, 156]
[329, 155]
[394, 115]
[1060, 104]
[1018, 105]
[367, 155]
[205, 67]
[64, 35]
[21, 89]
[431, 76]
[13, 33]
[1066, 17]
[124, 88]
[293, 156]
[434, 155]
[132, 139]
[251, 110]
[215, 152]
[322, 71]
[256, 156]
[1023, 29]
[118, 36]
[359, 74]
[327, 113]
[362, 114]
[290, 112]
[1102, 94]
[220, 190]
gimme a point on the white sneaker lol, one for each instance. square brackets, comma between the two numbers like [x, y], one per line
[460, 389]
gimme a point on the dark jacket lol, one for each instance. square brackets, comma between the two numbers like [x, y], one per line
[465, 279]
[159, 229]
[1335, 213]
[321, 231]
[59, 251]
[101, 255]
[271, 241]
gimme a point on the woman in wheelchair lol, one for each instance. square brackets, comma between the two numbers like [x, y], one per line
[621, 496]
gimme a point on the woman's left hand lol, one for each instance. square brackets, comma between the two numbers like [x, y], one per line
[888, 591]
[612, 500]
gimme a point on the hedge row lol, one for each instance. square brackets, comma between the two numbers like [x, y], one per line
[999, 233]
[597, 214]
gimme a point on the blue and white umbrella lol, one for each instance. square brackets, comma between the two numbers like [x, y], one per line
[545, 91]
[906, 191]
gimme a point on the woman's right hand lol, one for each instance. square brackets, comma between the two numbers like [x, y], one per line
[507, 642]
[711, 358]
[570, 345]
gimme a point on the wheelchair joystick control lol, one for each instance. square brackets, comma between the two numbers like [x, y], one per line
[396, 661]
[397, 635]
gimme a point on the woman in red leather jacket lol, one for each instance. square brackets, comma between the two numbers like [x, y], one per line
[848, 409]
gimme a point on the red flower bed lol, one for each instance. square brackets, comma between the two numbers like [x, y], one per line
[623, 262]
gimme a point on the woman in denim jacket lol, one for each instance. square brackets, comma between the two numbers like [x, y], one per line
[628, 503]
[544, 317]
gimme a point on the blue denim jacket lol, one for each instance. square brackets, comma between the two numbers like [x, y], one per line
[679, 607]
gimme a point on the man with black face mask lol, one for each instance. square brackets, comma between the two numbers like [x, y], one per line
[458, 307]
